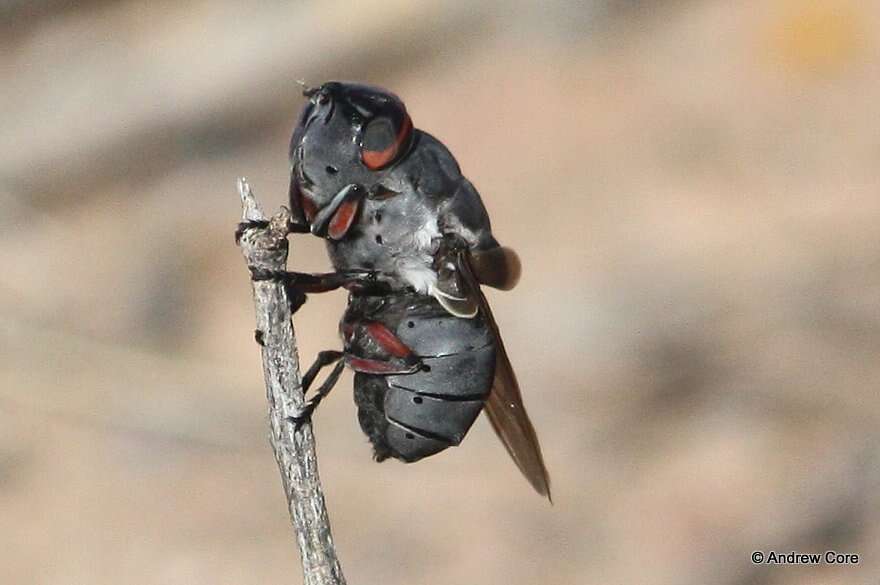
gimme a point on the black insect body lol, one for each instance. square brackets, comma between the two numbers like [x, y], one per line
[422, 375]
[410, 239]
[382, 210]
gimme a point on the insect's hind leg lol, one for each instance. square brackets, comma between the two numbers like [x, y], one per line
[324, 358]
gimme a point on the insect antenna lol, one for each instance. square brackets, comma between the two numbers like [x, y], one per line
[308, 91]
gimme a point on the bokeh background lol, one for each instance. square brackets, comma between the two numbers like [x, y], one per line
[693, 188]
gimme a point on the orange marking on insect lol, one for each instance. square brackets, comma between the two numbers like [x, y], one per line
[387, 340]
[376, 159]
[343, 218]
[308, 207]
[368, 366]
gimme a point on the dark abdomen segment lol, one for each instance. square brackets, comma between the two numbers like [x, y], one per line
[413, 415]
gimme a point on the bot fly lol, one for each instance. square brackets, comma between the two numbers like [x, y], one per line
[410, 239]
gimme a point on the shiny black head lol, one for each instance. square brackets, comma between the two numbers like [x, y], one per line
[347, 134]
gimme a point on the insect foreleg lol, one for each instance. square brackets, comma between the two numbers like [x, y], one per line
[299, 284]
[321, 282]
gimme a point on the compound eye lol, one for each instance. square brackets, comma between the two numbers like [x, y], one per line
[379, 134]
[383, 141]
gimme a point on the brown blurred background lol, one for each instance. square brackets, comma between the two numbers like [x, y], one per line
[693, 188]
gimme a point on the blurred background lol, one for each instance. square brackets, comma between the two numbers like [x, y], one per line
[692, 186]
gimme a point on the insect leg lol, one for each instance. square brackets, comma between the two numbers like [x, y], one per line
[361, 281]
[299, 284]
[325, 358]
[317, 283]
[305, 414]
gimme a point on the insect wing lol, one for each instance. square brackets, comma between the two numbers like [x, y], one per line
[497, 267]
[504, 407]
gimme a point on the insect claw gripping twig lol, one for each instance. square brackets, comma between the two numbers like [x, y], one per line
[301, 418]
[263, 243]
[246, 225]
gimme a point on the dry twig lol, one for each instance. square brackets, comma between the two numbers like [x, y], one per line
[264, 246]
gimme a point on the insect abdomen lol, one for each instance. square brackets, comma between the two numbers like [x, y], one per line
[414, 415]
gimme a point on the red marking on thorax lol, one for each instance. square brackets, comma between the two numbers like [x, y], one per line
[342, 219]
[308, 207]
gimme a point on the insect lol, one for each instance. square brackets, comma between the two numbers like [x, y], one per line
[410, 239]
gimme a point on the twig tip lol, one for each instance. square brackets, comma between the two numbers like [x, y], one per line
[250, 209]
